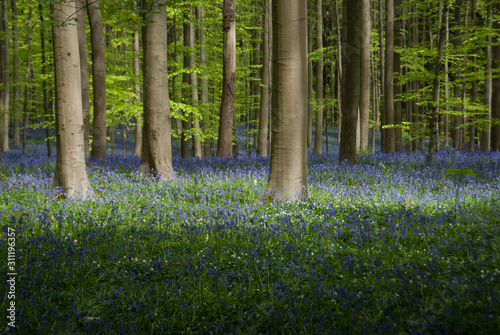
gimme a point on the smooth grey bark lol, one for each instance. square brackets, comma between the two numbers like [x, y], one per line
[156, 156]
[495, 102]
[310, 93]
[487, 97]
[397, 87]
[227, 111]
[98, 79]
[434, 125]
[318, 132]
[137, 91]
[446, 121]
[266, 82]
[4, 77]
[16, 102]
[389, 77]
[45, 102]
[352, 79]
[457, 118]
[84, 73]
[382, 74]
[200, 13]
[71, 173]
[288, 171]
[364, 100]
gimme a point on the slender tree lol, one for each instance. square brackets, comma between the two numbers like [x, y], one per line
[84, 70]
[16, 102]
[352, 80]
[495, 103]
[486, 133]
[98, 78]
[4, 77]
[389, 77]
[318, 132]
[457, 118]
[266, 82]
[137, 91]
[44, 86]
[71, 173]
[288, 173]
[156, 156]
[364, 103]
[310, 96]
[224, 147]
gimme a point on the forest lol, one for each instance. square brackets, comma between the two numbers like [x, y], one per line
[250, 166]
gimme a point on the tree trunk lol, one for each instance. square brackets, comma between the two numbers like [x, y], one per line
[98, 79]
[266, 82]
[224, 146]
[288, 172]
[137, 91]
[487, 97]
[382, 75]
[389, 76]
[84, 74]
[5, 77]
[364, 101]
[310, 86]
[44, 85]
[495, 103]
[207, 151]
[16, 102]
[397, 88]
[318, 133]
[71, 173]
[156, 156]
[352, 78]
[457, 118]
[446, 125]
[434, 125]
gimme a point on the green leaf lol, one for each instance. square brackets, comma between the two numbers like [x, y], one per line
[465, 172]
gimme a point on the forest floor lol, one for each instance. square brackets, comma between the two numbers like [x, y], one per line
[389, 246]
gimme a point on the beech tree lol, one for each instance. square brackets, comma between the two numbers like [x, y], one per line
[98, 79]
[71, 173]
[266, 82]
[4, 77]
[288, 172]
[156, 156]
[224, 147]
[318, 132]
[389, 77]
[84, 70]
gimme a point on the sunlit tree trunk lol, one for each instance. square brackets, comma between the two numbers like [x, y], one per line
[288, 173]
[137, 91]
[487, 97]
[4, 77]
[266, 82]
[84, 72]
[318, 132]
[310, 86]
[382, 74]
[44, 87]
[227, 112]
[156, 156]
[352, 79]
[71, 173]
[446, 123]
[389, 76]
[495, 103]
[98, 79]
[457, 118]
[207, 150]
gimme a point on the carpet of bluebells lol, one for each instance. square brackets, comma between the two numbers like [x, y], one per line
[389, 246]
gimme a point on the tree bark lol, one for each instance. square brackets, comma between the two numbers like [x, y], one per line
[71, 173]
[318, 133]
[382, 75]
[310, 93]
[487, 97]
[5, 77]
[457, 118]
[227, 112]
[288, 172]
[137, 91]
[266, 82]
[364, 102]
[84, 73]
[495, 103]
[44, 86]
[156, 156]
[207, 150]
[98, 79]
[352, 79]
[389, 77]
[16, 102]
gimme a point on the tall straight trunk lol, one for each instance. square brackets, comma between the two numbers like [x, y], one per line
[375, 104]
[4, 77]
[382, 74]
[186, 91]
[137, 91]
[398, 89]
[318, 133]
[16, 140]
[487, 97]
[207, 151]
[266, 82]
[44, 85]
[352, 78]
[389, 77]
[364, 101]
[98, 79]
[434, 126]
[457, 118]
[227, 112]
[472, 129]
[288, 167]
[310, 92]
[84, 74]
[157, 140]
[71, 173]
[446, 122]
[495, 103]
[339, 67]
